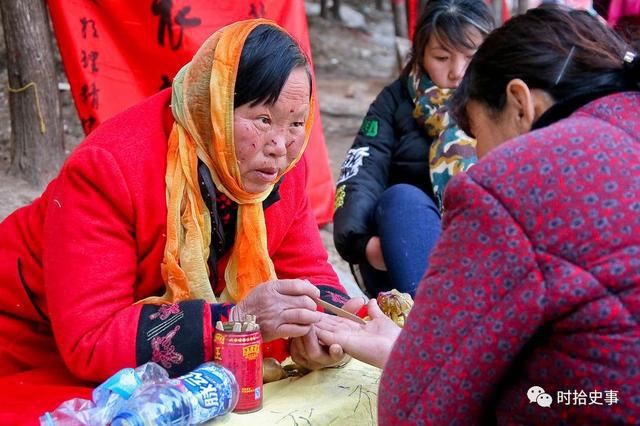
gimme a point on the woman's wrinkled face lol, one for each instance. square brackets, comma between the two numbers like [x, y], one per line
[269, 137]
[445, 63]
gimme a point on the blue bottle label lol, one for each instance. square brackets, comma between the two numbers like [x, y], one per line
[211, 387]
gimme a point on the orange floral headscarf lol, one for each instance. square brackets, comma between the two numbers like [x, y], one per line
[202, 105]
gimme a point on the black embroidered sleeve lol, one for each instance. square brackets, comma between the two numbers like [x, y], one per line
[332, 295]
[172, 336]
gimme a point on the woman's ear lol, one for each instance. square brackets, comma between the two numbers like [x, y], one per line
[520, 105]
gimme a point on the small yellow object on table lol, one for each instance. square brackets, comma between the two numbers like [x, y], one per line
[332, 396]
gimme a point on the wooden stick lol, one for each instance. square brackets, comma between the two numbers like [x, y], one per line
[339, 311]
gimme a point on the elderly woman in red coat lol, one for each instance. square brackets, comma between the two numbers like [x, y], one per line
[173, 215]
[530, 310]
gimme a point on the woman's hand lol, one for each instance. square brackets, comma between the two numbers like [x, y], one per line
[370, 343]
[309, 352]
[373, 253]
[283, 308]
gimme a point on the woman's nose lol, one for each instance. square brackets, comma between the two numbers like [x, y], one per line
[456, 72]
[276, 145]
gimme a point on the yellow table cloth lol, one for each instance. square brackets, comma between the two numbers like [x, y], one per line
[332, 396]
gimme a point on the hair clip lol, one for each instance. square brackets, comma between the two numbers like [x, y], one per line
[628, 57]
[591, 11]
[564, 65]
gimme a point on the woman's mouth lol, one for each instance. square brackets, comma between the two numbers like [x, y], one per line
[267, 174]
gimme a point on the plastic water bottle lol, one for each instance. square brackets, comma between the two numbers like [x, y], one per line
[112, 393]
[208, 391]
[107, 399]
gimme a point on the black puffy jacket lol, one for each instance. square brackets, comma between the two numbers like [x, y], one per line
[390, 148]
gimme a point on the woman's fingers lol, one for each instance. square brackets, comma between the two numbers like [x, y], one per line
[336, 352]
[354, 304]
[293, 302]
[299, 316]
[334, 323]
[329, 337]
[290, 330]
[309, 351]
[298, 354]
[297, 288]
[374, 309]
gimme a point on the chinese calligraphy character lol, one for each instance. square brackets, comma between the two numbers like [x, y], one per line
[90, 93]
[164, 9]
[579, 398]
[595, 397]
[89, 59]
[166, 81]
[564, 397]
[611, 397]
[254, 12]
[85, 23]
[88, 124]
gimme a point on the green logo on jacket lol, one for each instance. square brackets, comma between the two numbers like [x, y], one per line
[370, 127]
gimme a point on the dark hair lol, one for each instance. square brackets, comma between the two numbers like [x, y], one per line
[268, 57]
[564, 52]
[450, 21]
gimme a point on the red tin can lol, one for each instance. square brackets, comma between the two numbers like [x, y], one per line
[241, 353]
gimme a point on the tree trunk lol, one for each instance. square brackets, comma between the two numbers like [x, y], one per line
[523, 5]
[497, 11]
[324, 9]
[335, 10]
[37, 145]
[399, 17]
[422, 5]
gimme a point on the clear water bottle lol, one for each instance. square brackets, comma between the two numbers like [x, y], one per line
[107, 399]
[112, 393]
[208, 391]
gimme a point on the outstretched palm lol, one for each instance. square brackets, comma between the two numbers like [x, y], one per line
[370, 343]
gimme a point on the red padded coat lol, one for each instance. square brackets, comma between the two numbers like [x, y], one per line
[535, 282]
[73, 263]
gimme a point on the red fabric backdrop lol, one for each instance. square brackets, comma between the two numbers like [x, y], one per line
[117, 53]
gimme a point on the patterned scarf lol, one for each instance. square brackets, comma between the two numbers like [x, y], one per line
[202, 105]
[451, 150]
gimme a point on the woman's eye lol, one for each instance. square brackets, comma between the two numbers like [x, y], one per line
[298, 124]
[264, 120]
[442, 58]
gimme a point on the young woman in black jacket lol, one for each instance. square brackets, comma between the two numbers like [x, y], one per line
[389, 194]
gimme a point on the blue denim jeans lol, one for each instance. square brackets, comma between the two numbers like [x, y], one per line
[408, 224]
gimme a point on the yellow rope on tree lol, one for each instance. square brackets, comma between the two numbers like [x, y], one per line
[43, 128]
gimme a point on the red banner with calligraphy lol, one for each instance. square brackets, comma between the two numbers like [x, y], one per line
[116, 53]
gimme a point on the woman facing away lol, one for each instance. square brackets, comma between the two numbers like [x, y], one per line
[388, 199]
[529, 312]
[185, 209]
